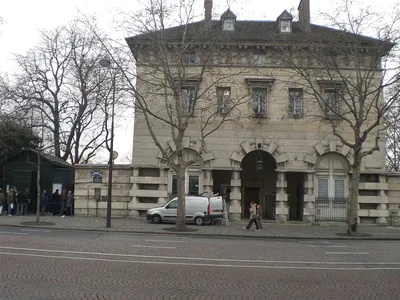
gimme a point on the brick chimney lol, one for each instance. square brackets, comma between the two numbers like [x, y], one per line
[208, 11]
[304, 15]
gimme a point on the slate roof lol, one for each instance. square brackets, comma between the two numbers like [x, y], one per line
[258, 32]
[50, 158]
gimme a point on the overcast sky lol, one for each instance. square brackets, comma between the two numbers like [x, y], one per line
[24, 18]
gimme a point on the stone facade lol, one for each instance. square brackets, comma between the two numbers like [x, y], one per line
[91, 197]
[283, 160]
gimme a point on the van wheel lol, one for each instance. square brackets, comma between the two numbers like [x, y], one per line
[156, 219]
[199, 221]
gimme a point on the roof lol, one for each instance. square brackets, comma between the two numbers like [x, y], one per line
[50, 158]
[257, 32]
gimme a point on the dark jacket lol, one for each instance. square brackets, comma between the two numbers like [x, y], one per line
[3, 199]
[55, 197]
[43, 199]
[22, 197]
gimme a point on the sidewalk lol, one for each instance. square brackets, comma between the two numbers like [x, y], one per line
[270, 230]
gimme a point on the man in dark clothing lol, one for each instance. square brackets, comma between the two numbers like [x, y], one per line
[55, 198]
[22, 202]
[43, 201]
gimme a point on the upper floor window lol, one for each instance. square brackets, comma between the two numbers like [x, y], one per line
[192, 184]
[296, 102]
[228, 24]
[259, 102]
[189, 58]
[223, 100]
[187, 99]
[286, 26]
[332, 102]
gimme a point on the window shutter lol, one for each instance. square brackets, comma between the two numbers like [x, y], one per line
[339, 188]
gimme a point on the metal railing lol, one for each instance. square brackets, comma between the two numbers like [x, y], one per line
[331, 209]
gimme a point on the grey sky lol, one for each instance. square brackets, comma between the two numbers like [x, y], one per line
[24, 18]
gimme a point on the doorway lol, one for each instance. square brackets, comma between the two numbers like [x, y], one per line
[250, 194]
[295, 192]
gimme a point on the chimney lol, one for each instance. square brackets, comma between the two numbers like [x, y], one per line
[208, 11]
[304, 15]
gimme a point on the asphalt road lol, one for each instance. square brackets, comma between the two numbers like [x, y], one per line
[51, 264]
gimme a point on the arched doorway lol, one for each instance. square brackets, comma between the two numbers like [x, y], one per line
[332, 187]
[258, 184]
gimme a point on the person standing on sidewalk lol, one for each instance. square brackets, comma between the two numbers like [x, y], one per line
[253, 216]
[10, 202]
[259, 216]
[62, 200]
[22, 202]
[43, 201]
[3, 201]
[68, 203]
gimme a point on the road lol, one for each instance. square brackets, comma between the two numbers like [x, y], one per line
[58, 264]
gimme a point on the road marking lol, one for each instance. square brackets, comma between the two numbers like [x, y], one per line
[327, 246]
[314, 242]
[163, 241]
[348, 253]
[35, 230]
[159, 247]
[17, 233]
[200, 265]
[202, 258]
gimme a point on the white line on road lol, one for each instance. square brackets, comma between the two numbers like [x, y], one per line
[252, 261]
[202, 265]
[35, 230]
[164, 241]
[158, 247]
[348, 253]
[327, 246]
[8, 232]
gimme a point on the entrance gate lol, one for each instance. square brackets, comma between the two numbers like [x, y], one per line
[331, 209]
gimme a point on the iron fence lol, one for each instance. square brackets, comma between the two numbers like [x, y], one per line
[331, 209]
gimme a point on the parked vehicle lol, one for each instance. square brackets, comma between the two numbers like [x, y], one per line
[199, 210]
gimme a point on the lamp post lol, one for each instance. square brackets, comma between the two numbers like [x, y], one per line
[106, 63]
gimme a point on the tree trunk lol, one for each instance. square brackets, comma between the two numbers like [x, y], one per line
[57, 148]
[38, 190]
[352, 208]
[181, 211]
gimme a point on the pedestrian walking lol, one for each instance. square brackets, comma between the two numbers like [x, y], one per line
[22, 202]
[3, 201]
[253, 217]
[259, 216]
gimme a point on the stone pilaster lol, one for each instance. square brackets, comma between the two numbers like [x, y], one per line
[163, 187]
[382, 206]
[134, 200]
[207, 182]
[281, 205]
[235, 209]
[309, 198]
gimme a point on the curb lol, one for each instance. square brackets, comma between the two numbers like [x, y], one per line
[213, 235]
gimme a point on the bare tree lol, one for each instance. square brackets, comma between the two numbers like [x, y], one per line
[62, 79]
[177, 83]
[344, 75]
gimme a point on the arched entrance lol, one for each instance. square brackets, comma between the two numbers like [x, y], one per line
[258, 182]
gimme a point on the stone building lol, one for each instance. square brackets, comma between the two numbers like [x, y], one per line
[278, 157]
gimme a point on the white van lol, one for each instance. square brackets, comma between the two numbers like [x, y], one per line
[198, 210]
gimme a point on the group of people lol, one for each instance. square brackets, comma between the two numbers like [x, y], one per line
[255, 216]
[15, 201]
[65, 200]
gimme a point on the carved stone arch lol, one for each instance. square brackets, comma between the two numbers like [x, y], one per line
[206, 157]
[266, 145]
[328, 147]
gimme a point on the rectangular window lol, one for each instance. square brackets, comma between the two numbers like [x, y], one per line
[194, 184]
[223, 100]
[259, 100]
[296, 102]
[332, 102]
[323, 188]
[187, 99]
[174, 190]
[189, 58]
[339, 189]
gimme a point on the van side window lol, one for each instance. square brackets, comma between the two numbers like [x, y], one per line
[173, 204]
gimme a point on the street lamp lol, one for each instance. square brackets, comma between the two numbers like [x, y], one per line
[106, 63]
